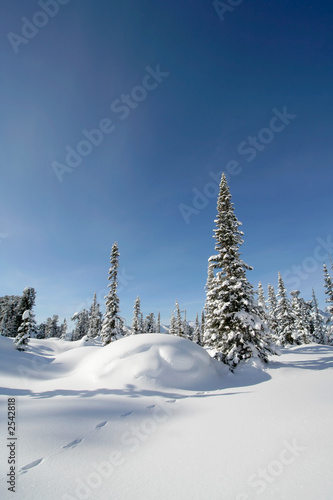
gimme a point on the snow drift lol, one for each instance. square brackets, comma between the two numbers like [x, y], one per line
[159, 360]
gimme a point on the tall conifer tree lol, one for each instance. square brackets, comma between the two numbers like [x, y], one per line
[328, 284]
[111, 326]
[136, 323]
[261, 296]
[285, 318]
[158, 326]
[94, 319]
[179, 323]
[197, 332]
[234, 329]
[202, 323]
[301, 314]
[27, 329]
[63, 329]
[272, 307]
[172, 329]
[319, 331]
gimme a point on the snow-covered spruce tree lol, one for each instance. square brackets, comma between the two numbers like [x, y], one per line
[111, 326]
[48, 327]
[136, 323]
[272, 308]
[190, 331]
[27, 329]
[26, 303]
[187, 331]
[172, 329]
[94, 319]
[179, 323]
[11, 320]
[81, 320]
[41, 329]
[202, 323]
[53, 327]
[301, 316]
[158, 325]
[306, 307]
[234, 330]
[261, 296]
[150, 323]
[264, 313]
[328, 284]
[317, 322]
[197, 331]
[286, 333]
[63, 329]
[262, 302]
[142, 324]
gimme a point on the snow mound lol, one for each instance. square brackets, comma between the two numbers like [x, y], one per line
[155, 359]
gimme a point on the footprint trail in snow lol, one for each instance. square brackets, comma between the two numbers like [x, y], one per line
[78, 441]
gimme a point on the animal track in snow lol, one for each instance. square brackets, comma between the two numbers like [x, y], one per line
[101, 424]
[126, 414]
[72, 444]
[25, 468]
[77, 441]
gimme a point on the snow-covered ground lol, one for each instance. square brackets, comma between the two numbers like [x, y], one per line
[153, 417]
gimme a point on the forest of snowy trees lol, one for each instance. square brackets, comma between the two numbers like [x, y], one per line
[236, 323]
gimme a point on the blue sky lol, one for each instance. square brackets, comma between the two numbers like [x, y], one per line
[221, 78]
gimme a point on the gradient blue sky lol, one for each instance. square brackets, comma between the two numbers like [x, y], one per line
[225, 78]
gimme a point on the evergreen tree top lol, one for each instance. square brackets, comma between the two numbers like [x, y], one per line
[227, 235]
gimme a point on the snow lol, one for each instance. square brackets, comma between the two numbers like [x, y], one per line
[154, 416]
[26, 315]
[153, 360]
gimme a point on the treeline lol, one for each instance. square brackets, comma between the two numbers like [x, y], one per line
[291, 321]
[237, 322]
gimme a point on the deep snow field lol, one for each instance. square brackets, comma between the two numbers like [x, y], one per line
[153, 417]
